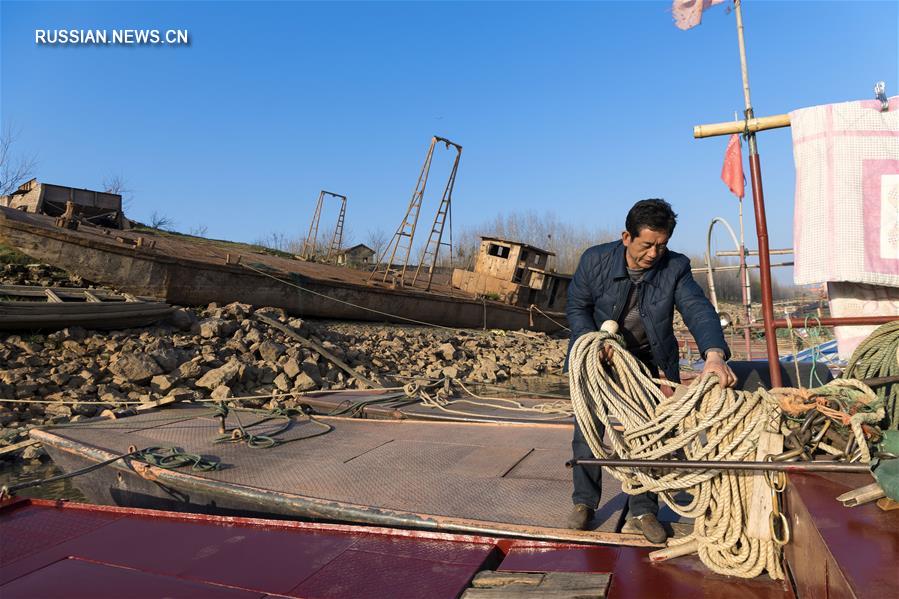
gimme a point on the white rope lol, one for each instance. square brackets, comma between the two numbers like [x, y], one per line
[707, 422]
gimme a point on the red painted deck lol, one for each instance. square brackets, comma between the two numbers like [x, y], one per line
[838, 551]
[56, 549]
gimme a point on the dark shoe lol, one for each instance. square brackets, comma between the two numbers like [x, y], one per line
[652, 530]
[579, 517]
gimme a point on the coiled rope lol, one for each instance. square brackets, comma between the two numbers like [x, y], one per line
[707, 422]
[878, 356]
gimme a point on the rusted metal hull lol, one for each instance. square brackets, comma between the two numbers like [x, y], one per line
[186, 271]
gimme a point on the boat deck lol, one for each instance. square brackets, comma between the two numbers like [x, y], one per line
[56, 549]
[495, 478]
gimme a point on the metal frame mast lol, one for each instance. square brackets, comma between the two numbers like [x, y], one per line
[444, 213]
[406, 229]
[309, 244]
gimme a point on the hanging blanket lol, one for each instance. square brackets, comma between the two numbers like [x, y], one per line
[846, 221]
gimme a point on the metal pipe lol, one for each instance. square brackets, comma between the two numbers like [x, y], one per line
[761, 223]
[820, 466]
[734, 254]
[799, 323]
[732, 267]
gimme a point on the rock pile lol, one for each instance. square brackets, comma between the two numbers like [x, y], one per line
[221, 352]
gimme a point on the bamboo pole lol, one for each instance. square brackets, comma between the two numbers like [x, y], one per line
[751, 125]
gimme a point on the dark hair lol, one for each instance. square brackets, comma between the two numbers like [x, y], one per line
[655, 214]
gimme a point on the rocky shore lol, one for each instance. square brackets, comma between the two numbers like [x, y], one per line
[222, 351]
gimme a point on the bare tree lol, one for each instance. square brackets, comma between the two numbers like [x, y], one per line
[376, 239]
[199, 230]
[14, 170]
[116, 184]
[161, 221]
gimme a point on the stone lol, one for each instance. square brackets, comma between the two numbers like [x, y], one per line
[447, 351]
[34, 452]
[162, 383]
[168, 359]
[221, 392]
[451, 372]
[292, 368]
[136, 368]
[283, 382]
[214, 328]
[7, 416]
[219, 376]
[304, 382]
[180, 394]
[182, 319]
[312, 370]
[190, 370]
[237, 310]
[73, 334]
[270, 350]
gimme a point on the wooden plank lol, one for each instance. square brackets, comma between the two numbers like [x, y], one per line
[317, 348]
[490, 579]
[532, 593]
[576, 581]
[52, 297]
[17, 446]
[90, 297]
[62, 292]
[759, 526]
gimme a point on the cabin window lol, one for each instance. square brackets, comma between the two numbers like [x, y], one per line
[519, 274]
[500, 251]
[524, 256]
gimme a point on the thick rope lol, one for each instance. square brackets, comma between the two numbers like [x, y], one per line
[878, 356]
[705, 423]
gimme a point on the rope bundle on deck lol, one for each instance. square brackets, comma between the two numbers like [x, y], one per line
[707, 422]
[878, 356]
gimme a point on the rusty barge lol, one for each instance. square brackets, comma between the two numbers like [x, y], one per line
[185, 270]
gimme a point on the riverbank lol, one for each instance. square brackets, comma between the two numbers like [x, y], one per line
[220, 352]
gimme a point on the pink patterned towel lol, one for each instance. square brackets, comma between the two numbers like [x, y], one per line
[846, 220]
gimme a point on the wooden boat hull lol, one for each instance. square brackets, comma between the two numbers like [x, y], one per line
[87, 310]
[186, 271]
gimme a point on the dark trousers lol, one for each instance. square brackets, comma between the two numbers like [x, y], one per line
[588, 479]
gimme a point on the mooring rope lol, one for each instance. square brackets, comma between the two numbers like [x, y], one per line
[878, 356]
[707, 422]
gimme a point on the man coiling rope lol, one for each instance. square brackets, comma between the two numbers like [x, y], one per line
[707, 422]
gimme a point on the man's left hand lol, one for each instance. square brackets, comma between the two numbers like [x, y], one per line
[715, 364]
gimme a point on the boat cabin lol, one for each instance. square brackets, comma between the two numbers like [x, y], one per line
[96, 207]
[515, 273]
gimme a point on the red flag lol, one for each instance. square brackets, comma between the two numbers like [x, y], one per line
[688, 13]
[732, 171]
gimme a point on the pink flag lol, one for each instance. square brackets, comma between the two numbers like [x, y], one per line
[732, 171]
[688, 13]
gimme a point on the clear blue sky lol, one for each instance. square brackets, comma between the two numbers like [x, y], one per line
[579, 108]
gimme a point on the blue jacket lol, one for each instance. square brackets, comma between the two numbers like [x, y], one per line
[599, 290]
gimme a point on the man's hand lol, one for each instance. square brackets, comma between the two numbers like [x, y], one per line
[714, 363]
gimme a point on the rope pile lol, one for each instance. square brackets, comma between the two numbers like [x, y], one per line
[439, 395]
[878, 356]
[707, 422]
